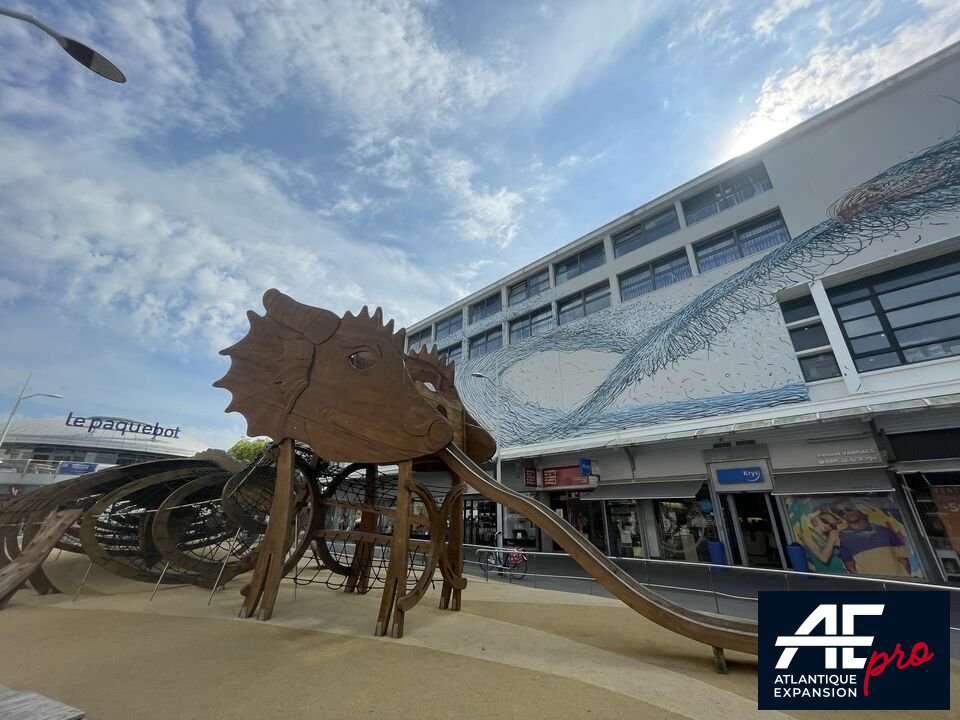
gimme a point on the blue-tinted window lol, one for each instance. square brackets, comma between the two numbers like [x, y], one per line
[584, 303]
[485, 308]
[580, 263]
[449, 325]
[726, 194]
[486, 342]
[645, 232]
[746, 239]
[533, 285]
[536, 323]
[653, 276]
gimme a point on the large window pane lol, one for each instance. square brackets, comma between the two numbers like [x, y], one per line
[717, 259]
[800, 309]
[726, 194]
[877, 362]
[809, 337]
[855, 310]
[870, 343]
[449, 325]
[931, 332]
[819, 367]
[863, 326]
[919, 293]
[924, 312]
[932, 351]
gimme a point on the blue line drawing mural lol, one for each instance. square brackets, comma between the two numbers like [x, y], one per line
[657, 338]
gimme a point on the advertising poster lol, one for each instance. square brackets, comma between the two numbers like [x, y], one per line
[852, 534]
[947, 500]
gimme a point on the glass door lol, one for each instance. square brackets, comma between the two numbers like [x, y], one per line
[754, 529]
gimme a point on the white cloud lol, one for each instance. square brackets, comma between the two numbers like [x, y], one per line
[832, 73]
[480, 214]
[775, 13]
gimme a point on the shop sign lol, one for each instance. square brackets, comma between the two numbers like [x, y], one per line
[947, 500]
[76, 468]
[97, 422]
[586, 467]
[567, 476]
[848, 456]
[739, 476]
[529, 477]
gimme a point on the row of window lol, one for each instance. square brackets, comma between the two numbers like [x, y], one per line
[900, 317]
[731, 245]
[711, 253]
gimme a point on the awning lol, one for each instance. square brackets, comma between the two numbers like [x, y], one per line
[832, 482]
[928, 466]
[656, 490]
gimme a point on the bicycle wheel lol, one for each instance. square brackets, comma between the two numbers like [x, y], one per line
[518, 571]
[482, 556]
[489, 564]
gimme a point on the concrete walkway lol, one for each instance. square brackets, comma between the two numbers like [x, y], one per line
[513, 652]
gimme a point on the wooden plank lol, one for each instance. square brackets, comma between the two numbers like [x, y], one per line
[16, 572]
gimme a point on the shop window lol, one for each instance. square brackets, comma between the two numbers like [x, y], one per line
[626, 535]
[536, 323]
[479, 522]
[936, 497]
[533, 285]
[584, 303]
[685, 525]
[903, 316]
[449, 325]
[732, 191]
[416, 340]
[655, 275]
[645, 232]
[816, 358]
[485, 308]
[852, 534]
[580, 263]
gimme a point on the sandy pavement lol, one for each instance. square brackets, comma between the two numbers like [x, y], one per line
[513, 652]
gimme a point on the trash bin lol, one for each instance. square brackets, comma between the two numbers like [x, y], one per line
[717, 554]
[798, 557]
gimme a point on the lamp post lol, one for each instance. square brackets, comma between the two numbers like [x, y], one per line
[496, 438]
[86, 56]
[17, 404]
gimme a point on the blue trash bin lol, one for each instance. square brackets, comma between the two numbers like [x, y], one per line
[798, 557]
[717, 554]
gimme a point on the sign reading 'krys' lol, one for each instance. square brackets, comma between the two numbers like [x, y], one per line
[121, 426]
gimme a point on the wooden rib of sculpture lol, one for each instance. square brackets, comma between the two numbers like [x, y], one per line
[345, 387]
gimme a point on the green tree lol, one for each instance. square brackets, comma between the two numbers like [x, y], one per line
[246, 449]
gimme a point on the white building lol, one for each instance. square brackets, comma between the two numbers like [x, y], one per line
[40, 452]
[766, 355]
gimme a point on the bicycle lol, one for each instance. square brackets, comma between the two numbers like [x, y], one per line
[506, 559]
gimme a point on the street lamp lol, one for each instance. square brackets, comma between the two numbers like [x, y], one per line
[84, 55]
[17, 404]
[496, 439]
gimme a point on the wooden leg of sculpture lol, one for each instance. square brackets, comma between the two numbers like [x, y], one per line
[454, 550]
[266, 579]
[396, 585]
[359, 580]
[719, 660]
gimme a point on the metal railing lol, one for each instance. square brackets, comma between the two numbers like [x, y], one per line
[723, 589]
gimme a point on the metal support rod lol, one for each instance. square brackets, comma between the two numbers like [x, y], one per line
[157, 587]
[296, 544]
[224, 566]
[84, 581]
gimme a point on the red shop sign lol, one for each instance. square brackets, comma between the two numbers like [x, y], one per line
[530, 477]
[568, 476]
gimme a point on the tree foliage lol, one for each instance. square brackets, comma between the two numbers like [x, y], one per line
[246, 449]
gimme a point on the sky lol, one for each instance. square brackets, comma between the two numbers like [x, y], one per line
[400, 153]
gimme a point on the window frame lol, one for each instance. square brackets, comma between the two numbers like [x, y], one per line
[865, 290]
[444, 323]
[528, 320]
[474, 341]
[582, 295]
[653, 274]
[639, 233]
[415, 340]
[562, 276]
[527, 294]
[445, 353]
[736, 232]
[726, 189]
[481, 309]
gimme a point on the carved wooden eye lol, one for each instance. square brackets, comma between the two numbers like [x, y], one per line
[363, 359]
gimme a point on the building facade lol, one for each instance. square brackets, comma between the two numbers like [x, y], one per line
[760, 367]
[40, 452]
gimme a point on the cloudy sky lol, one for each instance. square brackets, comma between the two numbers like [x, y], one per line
[400, 153]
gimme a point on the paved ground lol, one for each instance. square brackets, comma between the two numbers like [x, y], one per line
[513, 652]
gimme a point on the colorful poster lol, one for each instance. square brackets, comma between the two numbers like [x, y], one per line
[852, 534]
[947, 500]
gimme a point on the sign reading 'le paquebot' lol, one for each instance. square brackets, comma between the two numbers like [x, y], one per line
[121, 426]
[854, 650]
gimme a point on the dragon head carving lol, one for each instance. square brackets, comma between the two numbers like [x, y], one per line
[338, 384]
